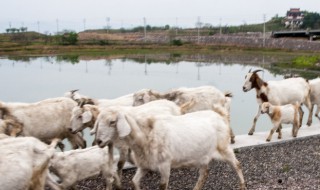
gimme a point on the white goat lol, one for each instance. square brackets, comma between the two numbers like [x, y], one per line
[315, 95]
[86, 115]
[126, 100]
[287, 91]
[75, 165]
[162, 142]
[204, 98]
[45, 120]
[286, 114]
[24, 162]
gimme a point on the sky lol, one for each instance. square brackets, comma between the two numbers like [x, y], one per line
[50, 16]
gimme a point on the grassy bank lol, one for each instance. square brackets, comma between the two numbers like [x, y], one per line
[119, 49]
[116, 43]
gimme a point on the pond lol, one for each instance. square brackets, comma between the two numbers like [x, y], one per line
[31, 79]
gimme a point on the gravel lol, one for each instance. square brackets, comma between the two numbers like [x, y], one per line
[292, 164]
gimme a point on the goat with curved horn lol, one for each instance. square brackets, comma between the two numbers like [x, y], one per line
[288, 91]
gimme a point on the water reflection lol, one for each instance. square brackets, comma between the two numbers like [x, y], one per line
[109, 65]
[106, 77]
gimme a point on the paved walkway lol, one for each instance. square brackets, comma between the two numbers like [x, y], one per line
[259, 138]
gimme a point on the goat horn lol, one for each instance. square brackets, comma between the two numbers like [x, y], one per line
[258, 70]
[73, 91]
[82, 102]
[249, 71]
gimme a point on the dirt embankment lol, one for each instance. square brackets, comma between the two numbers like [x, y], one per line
[238, 40]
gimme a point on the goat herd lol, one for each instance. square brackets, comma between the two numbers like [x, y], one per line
[185, 127]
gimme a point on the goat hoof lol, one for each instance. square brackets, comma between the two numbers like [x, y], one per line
[309, 123]
[232, 141]
[250, 133]
[243, 186]
[268, 140]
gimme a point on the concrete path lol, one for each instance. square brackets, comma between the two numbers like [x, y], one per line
[259, 138]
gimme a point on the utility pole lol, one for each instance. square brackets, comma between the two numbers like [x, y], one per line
[145, 28]
[264, 30]
[198, 25]
[38, 23]
[220, 26]
[57, 26]
[84, 24]
[176, 26]
[108, 24]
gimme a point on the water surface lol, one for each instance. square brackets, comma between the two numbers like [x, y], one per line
[35, 79]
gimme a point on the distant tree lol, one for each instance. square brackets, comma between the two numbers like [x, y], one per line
[13, 30]
[23, 29]
[148, 27]
[311, 20]
[167, 27]
[68, 38]
[8, 30]
[207, 25]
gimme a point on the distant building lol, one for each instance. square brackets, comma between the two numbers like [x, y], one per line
[294, 18]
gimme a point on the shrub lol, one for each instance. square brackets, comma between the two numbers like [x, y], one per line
[68, 38]
[177, 42]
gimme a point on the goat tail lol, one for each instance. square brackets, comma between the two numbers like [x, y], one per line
[222, 112]
[187, 106]
[228, 94]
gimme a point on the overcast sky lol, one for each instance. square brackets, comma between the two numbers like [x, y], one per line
[53, 15]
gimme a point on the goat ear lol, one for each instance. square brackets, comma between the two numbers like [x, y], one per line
[94, 130]
[123, 126]
[86, 116]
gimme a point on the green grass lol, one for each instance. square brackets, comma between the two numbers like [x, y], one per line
[305, 61]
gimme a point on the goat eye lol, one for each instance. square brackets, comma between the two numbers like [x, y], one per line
[112, 122]
[80, 116]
